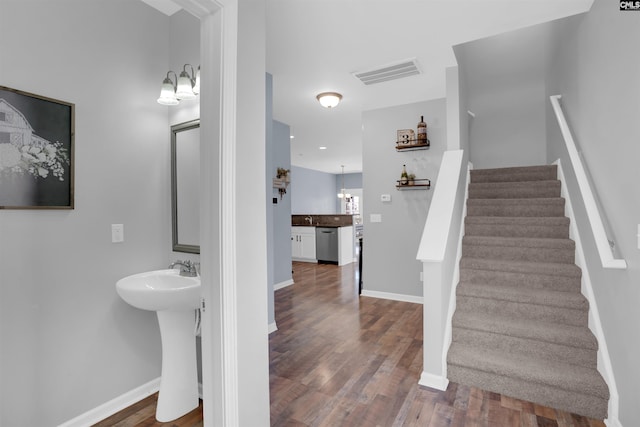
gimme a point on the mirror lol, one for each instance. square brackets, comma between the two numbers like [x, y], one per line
[185, 182]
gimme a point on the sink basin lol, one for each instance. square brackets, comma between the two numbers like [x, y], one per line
[160, 290]
[175, 299]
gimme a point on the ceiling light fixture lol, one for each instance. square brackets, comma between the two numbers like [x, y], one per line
[329, 99]
[186, 86]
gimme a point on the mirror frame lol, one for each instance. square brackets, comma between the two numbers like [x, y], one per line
[175, 130]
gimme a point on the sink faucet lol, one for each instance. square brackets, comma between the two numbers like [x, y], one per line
[310, 219]
[187, 268]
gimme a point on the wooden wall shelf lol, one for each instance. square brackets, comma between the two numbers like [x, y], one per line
[418, 184]
[412, 144]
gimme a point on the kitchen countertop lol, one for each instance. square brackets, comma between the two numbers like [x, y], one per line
[322, 220]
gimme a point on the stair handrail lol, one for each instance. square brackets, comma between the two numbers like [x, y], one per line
[597, 226]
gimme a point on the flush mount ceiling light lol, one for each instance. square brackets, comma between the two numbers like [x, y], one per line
[187, 86]
[329, 99]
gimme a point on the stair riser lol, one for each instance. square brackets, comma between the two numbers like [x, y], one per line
[523, 210]
[523, 310]
[510, 253]
[558, 283]
[502, 230]
[570, 401]
[540, 173]
[541, 349]
[481, 191]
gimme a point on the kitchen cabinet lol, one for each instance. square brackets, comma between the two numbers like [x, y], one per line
[303, 244]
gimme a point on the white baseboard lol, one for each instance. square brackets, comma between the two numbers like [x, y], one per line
[272, 327]
[433, 381]
[113, 406]
[612, 422]
[283, 284]
[391, 296]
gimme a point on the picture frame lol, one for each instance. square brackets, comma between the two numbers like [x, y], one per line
[36, 151]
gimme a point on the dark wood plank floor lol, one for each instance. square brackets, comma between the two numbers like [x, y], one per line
[342, 360]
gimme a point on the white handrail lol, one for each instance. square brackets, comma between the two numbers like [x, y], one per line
[597, 227]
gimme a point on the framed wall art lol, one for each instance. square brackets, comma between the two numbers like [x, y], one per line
[36, 151]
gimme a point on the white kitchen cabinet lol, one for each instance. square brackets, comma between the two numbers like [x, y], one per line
[303, 244]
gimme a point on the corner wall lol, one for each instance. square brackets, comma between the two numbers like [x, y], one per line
[390, 267]
[69, 343]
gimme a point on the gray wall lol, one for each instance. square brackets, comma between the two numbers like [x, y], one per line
[502, 79]
[312, 191]
[597, 76]
[282, 210]
[278, 154]
[390, 247]
[69, 343]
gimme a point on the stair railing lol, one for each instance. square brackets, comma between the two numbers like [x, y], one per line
[597, 226]
[439, 252]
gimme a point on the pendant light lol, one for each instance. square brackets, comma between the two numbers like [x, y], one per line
[342, 194]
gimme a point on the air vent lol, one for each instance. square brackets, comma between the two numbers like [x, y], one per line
[398, 70]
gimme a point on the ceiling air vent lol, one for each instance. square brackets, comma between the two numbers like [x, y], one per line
[398, 70]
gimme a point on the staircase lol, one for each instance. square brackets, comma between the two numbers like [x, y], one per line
[520, 325]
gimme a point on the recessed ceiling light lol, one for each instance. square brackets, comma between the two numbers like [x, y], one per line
[322, 148]
[291, 136]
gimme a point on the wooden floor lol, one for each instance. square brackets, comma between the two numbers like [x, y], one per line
[342, 360]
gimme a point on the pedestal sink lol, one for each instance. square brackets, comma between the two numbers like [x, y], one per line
[174, 298]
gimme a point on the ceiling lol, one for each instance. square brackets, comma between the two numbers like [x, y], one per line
[315, 46]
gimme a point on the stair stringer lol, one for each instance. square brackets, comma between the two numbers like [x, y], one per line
[448, 331]
[604, 361]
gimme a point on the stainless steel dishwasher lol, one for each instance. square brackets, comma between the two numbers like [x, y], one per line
[327, 244]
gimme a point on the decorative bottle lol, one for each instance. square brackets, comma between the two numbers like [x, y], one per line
[422, 131]
[404, 176]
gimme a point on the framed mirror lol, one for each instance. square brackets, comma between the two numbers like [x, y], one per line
[185, 184]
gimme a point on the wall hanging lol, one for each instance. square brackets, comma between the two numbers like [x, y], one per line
[36, 151]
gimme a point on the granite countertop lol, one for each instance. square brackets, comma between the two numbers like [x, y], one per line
[322, 220]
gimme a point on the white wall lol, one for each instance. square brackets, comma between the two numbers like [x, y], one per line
[390, 247]
[69, 343]
[597, 76]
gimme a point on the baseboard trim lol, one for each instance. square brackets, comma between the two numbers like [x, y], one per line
[433, 381]
[283, 284]
[391, 296]
[612, 422]
[272, 327]
[113, 406]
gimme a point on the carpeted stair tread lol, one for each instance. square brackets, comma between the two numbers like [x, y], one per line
[527, 207]
[568, 270]
[519, 249]
[572, 395]
[529, 173]
[570, 300]
[557, 374]
[520, 189]
[518, 226]
[573, 336]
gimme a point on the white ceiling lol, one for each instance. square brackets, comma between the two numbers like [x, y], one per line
[314, 46]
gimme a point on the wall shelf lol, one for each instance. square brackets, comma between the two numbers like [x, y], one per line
[412, 144]
[418, 184]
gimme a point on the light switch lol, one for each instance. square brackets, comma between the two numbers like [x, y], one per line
[385, 197]
[375, 217]
[117, 233]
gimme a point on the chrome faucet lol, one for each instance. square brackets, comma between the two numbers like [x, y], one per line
[310, 219]
[187, 268]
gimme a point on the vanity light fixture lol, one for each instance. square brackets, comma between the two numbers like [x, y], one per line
[329, 99]
[186, 86]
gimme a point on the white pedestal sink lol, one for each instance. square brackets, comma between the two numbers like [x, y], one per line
[174, 298]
